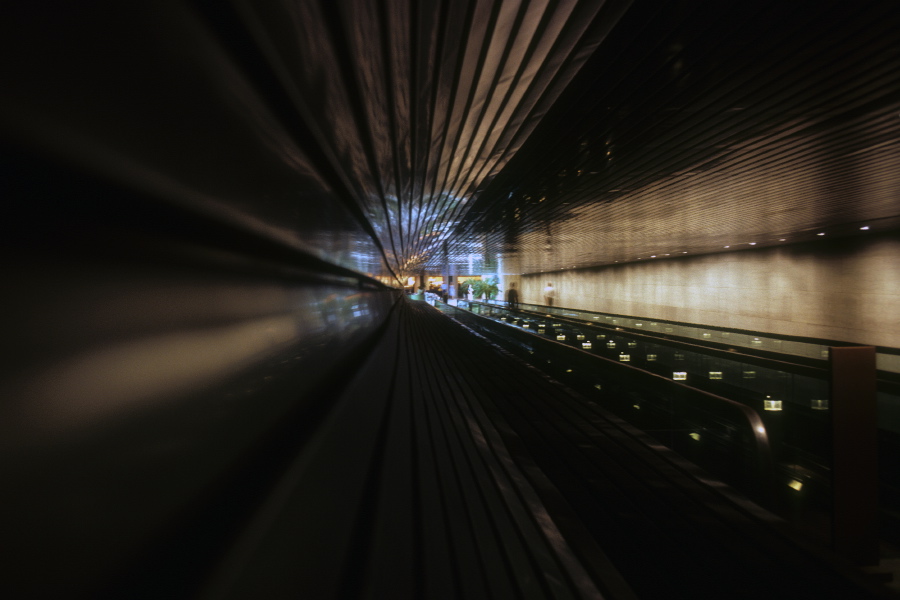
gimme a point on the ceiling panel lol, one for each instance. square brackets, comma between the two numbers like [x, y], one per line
[394, 136]
[416, 105]
[704, 127]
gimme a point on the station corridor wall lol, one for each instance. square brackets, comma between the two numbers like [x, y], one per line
[845, 289]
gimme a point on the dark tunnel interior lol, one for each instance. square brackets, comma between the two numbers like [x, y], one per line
[220, 218]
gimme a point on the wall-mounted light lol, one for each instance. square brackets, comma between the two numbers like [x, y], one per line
[773, 405]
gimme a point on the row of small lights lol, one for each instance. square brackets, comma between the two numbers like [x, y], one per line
[658, 255]
[820, 234]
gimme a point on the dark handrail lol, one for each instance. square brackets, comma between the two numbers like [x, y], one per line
[762, 358]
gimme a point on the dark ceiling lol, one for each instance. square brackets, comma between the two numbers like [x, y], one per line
[392, 136]
[702, 127]
[419, 105]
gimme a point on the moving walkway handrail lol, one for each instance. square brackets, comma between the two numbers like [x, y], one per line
[809, 367]
[888, 358]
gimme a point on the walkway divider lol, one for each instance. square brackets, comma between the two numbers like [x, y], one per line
[855, 453]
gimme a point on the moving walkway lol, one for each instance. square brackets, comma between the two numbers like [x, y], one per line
[693, 387]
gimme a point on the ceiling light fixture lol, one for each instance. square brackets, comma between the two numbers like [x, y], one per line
[822, 233]
[864, 228]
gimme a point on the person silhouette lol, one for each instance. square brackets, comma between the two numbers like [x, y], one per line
[512, 297]
[549, 294]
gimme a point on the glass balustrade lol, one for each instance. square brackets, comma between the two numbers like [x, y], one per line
[887, 360]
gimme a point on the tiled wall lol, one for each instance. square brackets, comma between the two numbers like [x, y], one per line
[845, 290]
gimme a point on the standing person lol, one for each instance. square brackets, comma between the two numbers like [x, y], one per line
[549, 294]
[512, 297]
